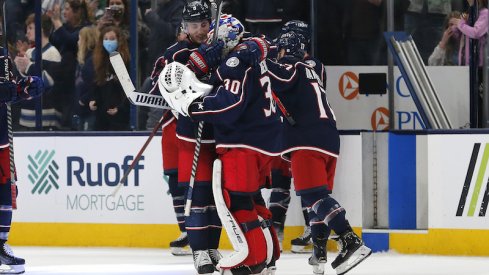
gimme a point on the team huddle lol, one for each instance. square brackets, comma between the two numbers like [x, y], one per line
[262, 116]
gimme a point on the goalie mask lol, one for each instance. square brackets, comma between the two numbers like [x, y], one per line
[230, 32]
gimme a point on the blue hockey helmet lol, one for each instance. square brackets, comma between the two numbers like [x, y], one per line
[299, 27]
[197, 10]
[293, 44]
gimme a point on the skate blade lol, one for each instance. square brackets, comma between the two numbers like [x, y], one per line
[180, 251]
[300, 249]
[357, 257]
[12, 269]
[318, 269]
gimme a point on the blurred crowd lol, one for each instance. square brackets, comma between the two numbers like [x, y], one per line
[77, 37]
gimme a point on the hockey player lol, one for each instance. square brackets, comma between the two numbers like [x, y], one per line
[10, 91]
[281, 176]
[246, 129]
[312, 145]
[202, 229]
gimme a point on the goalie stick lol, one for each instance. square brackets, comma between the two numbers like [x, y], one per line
[10, 131]
[135, 97]
[200, 127]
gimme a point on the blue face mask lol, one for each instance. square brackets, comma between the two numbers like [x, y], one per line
[110, 45]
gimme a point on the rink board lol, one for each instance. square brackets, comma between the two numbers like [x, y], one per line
[66, 183]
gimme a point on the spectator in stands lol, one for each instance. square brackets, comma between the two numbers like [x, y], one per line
[118, 13]
[108, 99]
[51, 74]
[424, 21]
[65, 39]
[163, 24]
[83, 118]
[476, 32]
[446, 52]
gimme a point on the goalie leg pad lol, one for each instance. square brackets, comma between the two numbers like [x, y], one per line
[273, 243]
[255, 238]
[233, 230]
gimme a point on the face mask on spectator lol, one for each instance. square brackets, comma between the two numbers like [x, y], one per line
[110, 45]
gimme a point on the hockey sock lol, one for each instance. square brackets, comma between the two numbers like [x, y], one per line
[5, 209]
[178, 195]
[215, 228]
[197, 223]
[305, 213]
[327, 209]
[319, 230]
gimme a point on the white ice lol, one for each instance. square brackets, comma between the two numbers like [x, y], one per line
[57, 260]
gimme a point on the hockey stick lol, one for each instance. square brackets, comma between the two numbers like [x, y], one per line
[10, 131]
[140, 153]
[200, 127]
[135, 97]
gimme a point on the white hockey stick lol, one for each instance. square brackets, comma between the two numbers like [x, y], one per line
[234, 232]
[200, 127]
[135, 97]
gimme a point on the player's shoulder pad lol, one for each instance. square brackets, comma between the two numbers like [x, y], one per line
[232, 67]
[179, 52]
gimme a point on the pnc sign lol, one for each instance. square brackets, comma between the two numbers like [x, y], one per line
[380, 119]
[348, 85]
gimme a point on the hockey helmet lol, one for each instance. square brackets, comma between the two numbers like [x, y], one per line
[197, 10]
[230, 31]
[299, 27]
[293, 44]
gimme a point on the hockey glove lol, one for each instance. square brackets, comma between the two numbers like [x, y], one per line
[253, 51]
[205, 58]
[30, 86]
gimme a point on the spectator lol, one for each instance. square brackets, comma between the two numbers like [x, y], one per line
[51, 60]
[118, 13]
[108, 98]
[65, 39]
[424, 21]
[476, 32]
[445, 53]
[163, 24]
[83, 118]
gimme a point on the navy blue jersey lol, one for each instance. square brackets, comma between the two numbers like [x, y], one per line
[241, 108]
[301, 90]
[186, 128]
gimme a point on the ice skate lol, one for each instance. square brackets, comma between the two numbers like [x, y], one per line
[179, 247]
[202, 262]
[352, 251]
[318, 258]
[302, 244]
[10, 263]
[215, 256]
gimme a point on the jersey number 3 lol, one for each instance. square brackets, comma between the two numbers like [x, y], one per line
[266, 84]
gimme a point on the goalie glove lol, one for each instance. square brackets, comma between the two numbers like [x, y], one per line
[205, 58]
[180, 87]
